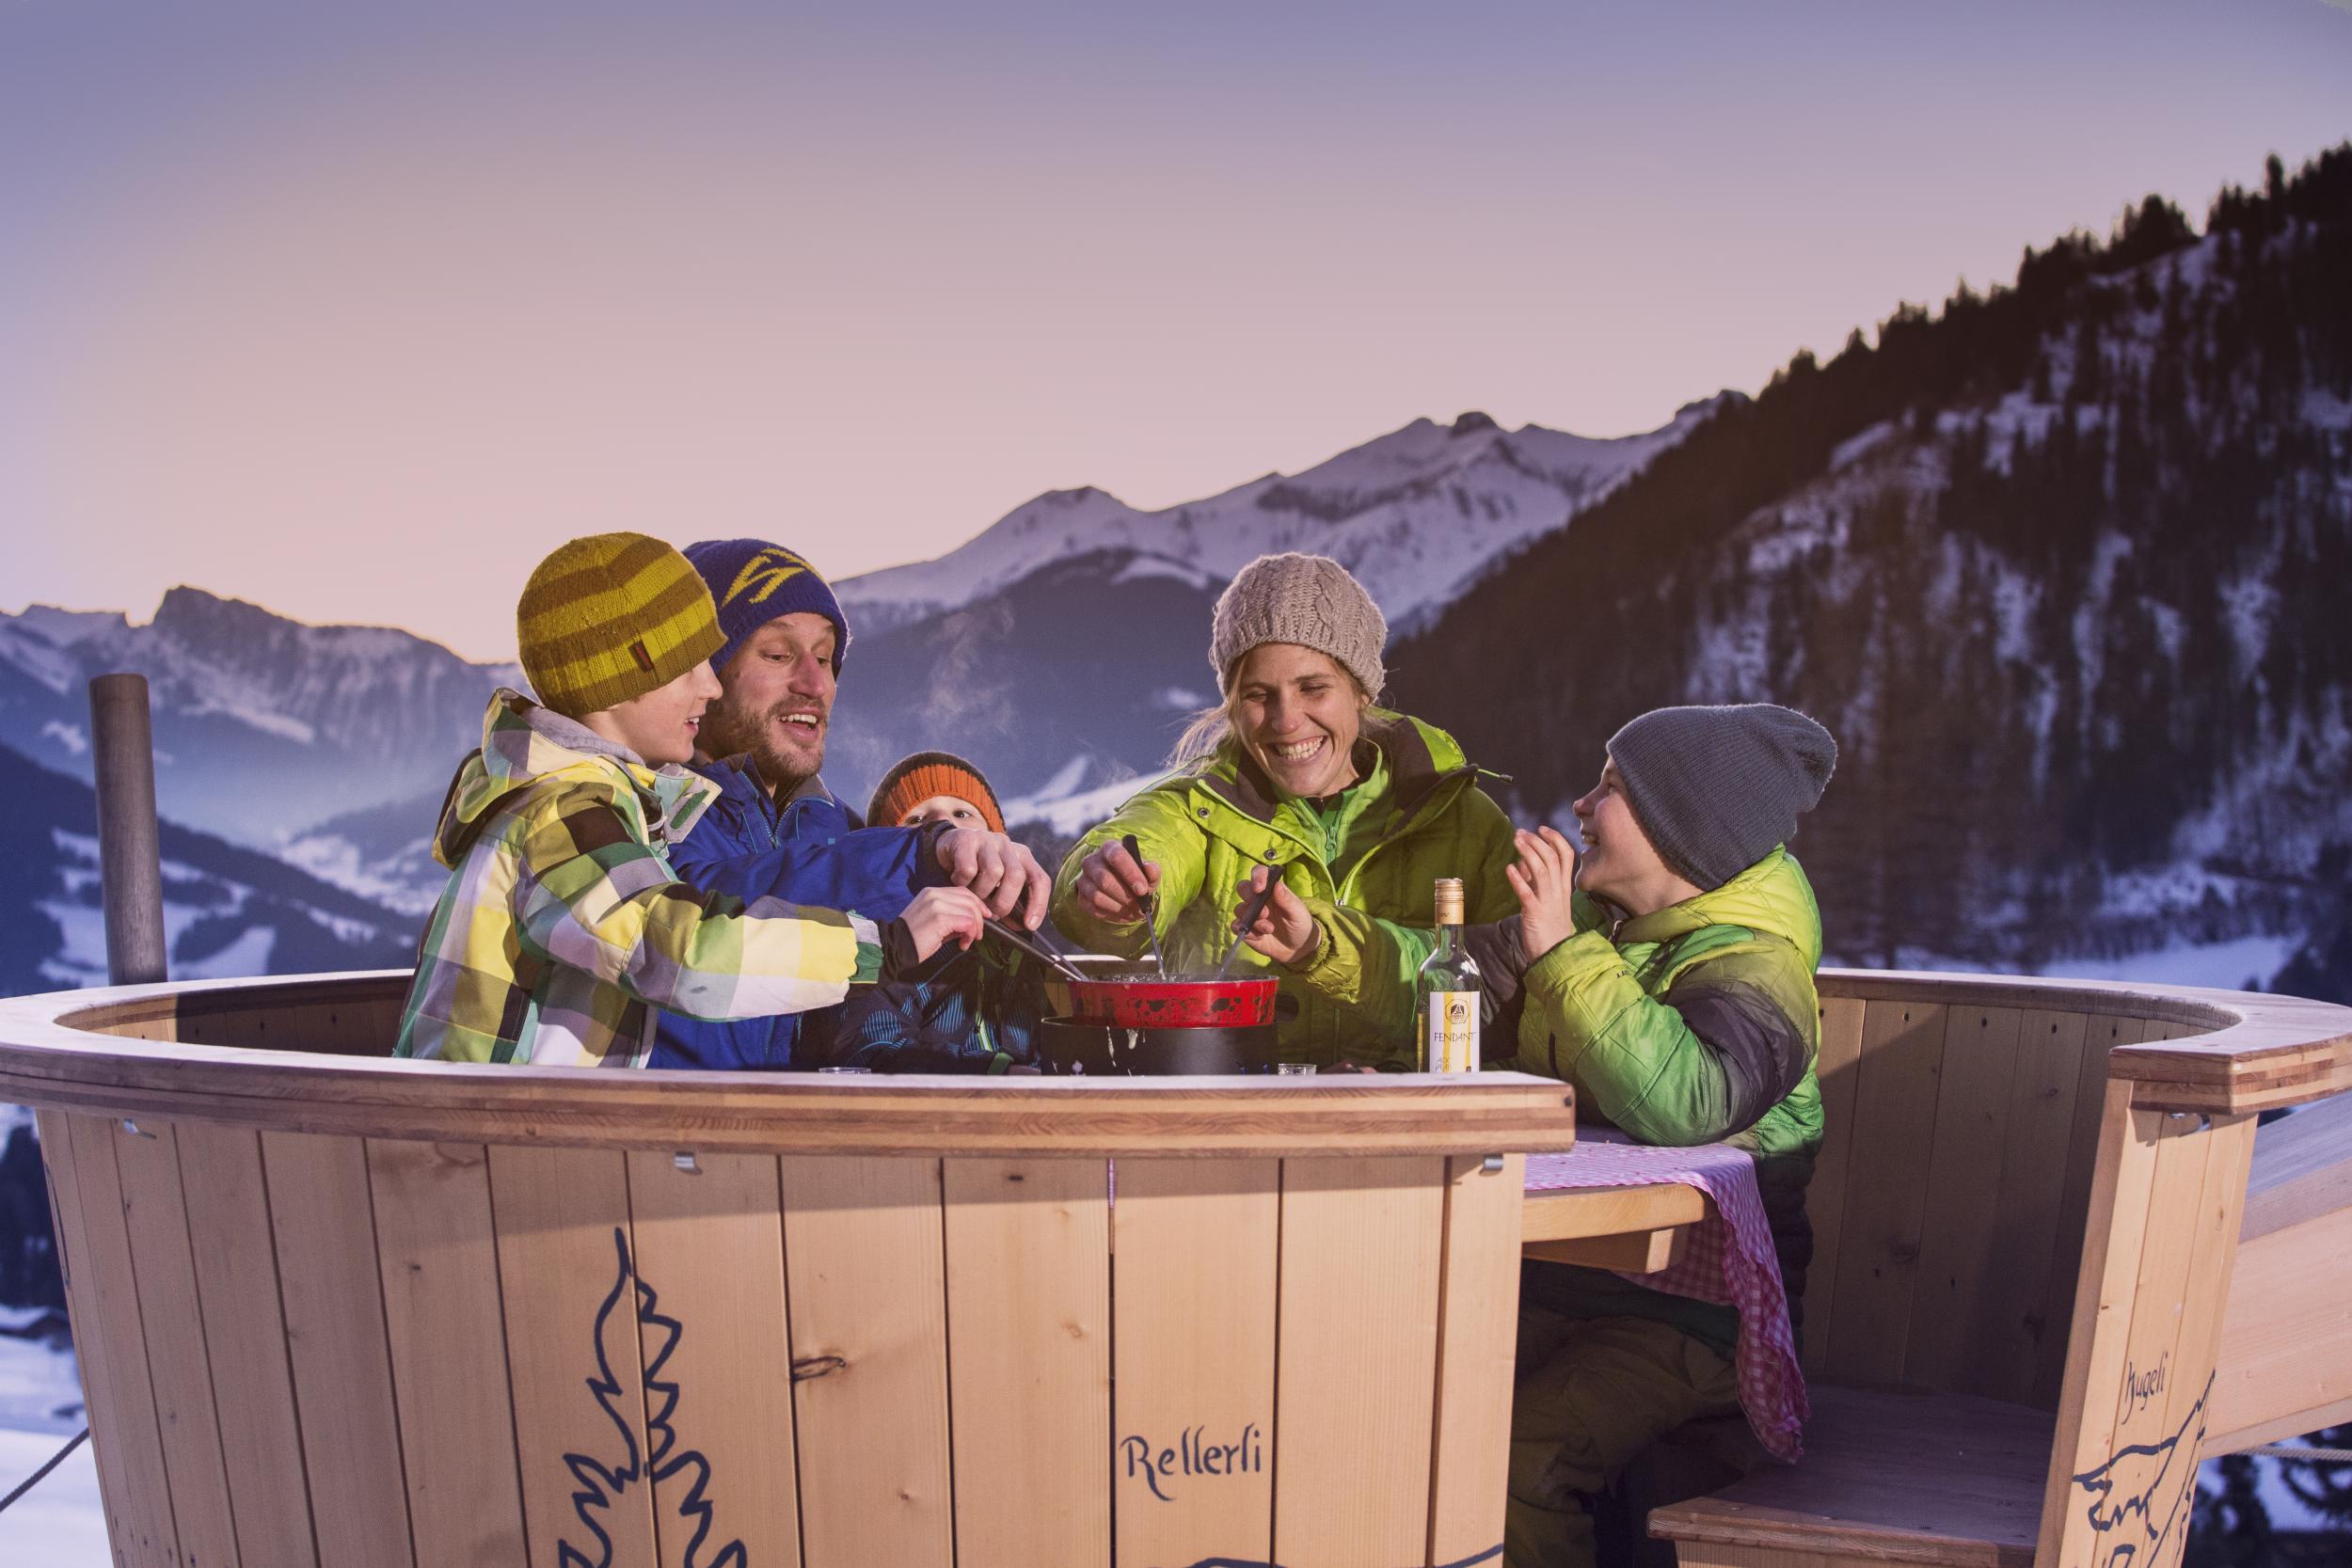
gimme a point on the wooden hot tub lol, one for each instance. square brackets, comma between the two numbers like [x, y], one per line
[342, 1311]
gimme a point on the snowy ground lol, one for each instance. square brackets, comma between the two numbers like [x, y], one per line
[2224, 965]
[58, 1523]
[2241, 963]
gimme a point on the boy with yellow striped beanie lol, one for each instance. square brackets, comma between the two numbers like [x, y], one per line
[563, 933]
[611, 617]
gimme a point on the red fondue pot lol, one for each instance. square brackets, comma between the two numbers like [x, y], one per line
[1135, 997]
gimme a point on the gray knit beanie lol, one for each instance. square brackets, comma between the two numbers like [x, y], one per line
[1307, 599]
[1716, 788]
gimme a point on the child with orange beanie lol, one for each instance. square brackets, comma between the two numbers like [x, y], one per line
[934, 786]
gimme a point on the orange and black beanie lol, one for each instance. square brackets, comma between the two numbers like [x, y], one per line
[610, 617]
[925, 774]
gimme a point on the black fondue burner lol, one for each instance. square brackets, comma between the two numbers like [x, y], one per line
[1072, 1046]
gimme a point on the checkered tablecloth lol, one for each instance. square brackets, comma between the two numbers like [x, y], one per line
[1728, 1261]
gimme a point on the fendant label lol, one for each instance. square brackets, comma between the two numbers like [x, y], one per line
[1453, 1031]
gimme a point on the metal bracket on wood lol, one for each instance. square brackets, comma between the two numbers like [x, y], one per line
[1491, 1164]
[132, 1127]
[684, 1160]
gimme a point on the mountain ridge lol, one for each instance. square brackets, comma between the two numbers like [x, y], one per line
[1504, 485]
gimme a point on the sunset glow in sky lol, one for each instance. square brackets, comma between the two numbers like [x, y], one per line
[356, 310]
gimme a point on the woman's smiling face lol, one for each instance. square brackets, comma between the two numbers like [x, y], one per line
[1296, 713]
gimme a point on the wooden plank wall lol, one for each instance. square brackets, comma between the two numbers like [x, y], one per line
[1951, 1265]
[711, 1232]
[1361, 1243]
[305, 1350]
[86, 1193]
[1194, 1350]
[1028, 1345]
[1477, 1347]
[865, 1253]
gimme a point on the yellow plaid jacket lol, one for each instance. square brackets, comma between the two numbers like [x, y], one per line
[562, 928]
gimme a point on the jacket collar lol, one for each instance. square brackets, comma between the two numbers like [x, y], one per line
[1420, 758]
[524, 744]
[739, 781]
[1773, 897]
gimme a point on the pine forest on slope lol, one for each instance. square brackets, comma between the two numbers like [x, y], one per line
[2064, 567]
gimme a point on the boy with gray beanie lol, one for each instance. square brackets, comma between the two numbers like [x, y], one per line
[1666, 965]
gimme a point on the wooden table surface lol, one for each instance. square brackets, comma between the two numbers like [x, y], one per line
[1639, 1229]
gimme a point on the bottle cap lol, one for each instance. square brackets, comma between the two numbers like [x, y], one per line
[1449, 900]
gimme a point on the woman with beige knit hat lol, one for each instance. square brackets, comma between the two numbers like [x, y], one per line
[1357, 809]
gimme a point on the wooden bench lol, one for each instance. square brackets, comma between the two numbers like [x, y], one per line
[2054, 1267]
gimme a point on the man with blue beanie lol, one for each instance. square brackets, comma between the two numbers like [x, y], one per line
[776, 831]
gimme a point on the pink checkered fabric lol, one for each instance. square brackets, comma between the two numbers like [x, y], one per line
[1729, 1261]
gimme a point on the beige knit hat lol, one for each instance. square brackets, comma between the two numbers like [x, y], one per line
[1308, 599]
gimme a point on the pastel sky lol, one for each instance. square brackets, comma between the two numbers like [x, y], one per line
[356, 311]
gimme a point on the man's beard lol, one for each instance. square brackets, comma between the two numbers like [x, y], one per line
[726, 733]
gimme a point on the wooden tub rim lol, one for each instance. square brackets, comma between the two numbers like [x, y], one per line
[2255, 1051]
[50, 1058]
[2247, 1050]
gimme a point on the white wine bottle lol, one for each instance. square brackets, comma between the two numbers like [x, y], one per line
[1446, 992]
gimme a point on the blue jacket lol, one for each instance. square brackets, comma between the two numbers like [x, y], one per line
[811, 850]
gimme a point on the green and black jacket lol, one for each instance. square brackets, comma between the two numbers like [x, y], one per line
[1695, 1023]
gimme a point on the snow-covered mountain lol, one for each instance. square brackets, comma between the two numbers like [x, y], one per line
[264, 727]
[1081, 672]
[1417, 515]
[227, 910]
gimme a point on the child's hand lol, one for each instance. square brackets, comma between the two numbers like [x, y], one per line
[1111, 886]
[1545, 879]
[939, 915]
[1284, 931]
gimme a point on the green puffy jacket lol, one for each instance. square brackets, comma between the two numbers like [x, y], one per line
[1417, 815]
[1696, 1023]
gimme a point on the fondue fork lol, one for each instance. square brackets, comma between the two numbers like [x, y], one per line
[1150, 906]
[1037, 950]
[1249, 913]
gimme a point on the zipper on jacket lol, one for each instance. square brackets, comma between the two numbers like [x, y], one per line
[1355, 873]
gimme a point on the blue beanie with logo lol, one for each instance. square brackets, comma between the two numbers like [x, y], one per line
[752, 583]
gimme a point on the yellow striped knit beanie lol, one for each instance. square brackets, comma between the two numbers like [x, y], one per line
[610, 617]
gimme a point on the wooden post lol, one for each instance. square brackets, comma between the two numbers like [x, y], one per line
[129, 845]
